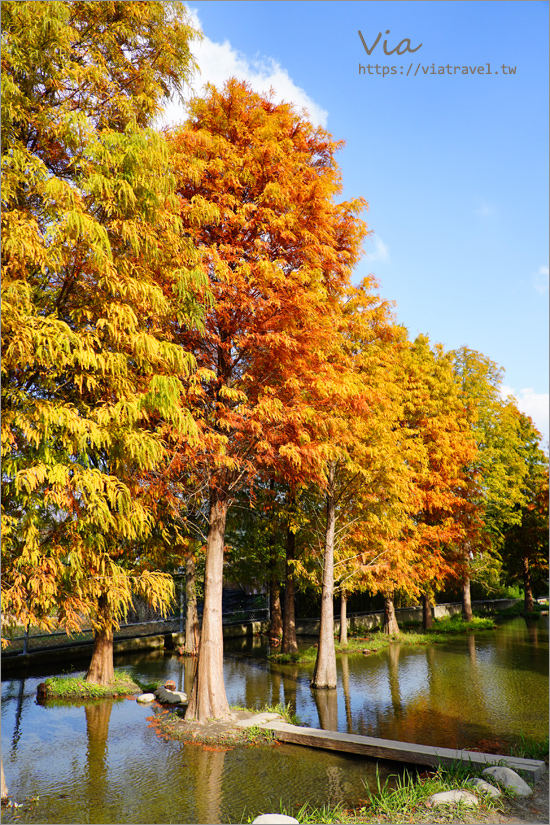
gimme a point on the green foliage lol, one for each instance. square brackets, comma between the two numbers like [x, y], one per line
[75, 687]
[498, 469]
[256, 735]
[456, 624]
[519, 610]
[283, 710]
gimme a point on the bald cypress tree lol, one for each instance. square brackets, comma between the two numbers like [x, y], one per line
[97, 275]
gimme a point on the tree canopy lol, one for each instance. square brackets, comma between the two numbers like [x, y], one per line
[181, 332]
[96, 275]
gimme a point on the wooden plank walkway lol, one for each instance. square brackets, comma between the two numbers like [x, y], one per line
[398, 751]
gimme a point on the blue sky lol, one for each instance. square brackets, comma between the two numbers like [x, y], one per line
[454, 166]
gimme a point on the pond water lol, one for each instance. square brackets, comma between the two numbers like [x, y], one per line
[102, 762]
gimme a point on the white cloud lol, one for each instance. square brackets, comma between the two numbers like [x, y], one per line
[534, 404]
[540, 280]
[381, 251]
[220, 61]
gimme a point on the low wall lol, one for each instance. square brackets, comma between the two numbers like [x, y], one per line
[404, 615]
[84, 651]
[304, 627]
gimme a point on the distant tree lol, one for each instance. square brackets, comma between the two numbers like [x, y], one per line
[436, 418]
[357, 430]
[525, 547]
[496, 473]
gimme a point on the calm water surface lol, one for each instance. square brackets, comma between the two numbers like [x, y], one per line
[102, 763]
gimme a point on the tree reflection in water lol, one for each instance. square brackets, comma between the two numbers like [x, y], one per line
[97, 729]
[326, 702]
[209, 773]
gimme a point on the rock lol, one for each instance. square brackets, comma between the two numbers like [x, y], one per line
[509, 778]
[485, 787]
[170, 684]
[41, 691]
[146, 697]
[170, 697]
[257, 720]
[453, 798]
[273, 819]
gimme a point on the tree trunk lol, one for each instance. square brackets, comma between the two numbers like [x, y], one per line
[467, 614]
[344, 618]
[276, 613]
[528, 605]
[289, 644]
[276, 623]
[324, 675]
[208, 699]
[102, 668]
[5, 793]
[390, 622]
[192, 630]
[427, 620]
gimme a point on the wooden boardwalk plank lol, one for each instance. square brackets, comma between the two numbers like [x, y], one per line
[398, 751]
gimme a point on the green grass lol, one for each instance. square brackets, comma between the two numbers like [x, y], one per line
[518, 610]
[456, 624]
[529, 748]
[146, 687]
[405, 800]
[76, 687]
[283, 710]
[373, 642]
[308, 654]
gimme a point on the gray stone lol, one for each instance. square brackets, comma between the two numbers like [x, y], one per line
[453, 798]
[146, 697]
[171, 697]
[258, 719]
[509, 778]
[485, 787]
[274, 819]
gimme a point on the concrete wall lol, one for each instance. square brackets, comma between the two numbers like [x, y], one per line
[404, 615]
[304, 627]
[84, 651]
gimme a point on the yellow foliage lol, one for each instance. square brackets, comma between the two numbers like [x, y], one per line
[95, 273]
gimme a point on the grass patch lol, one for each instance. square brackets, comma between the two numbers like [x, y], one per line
[76, 687]
[409, 798]
[456, 624]
[518, 610]
[170, 724]
[283, 710]
[308, 654]
[377, 640]
[406, 800]
[146, 687]
[529, 748]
